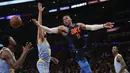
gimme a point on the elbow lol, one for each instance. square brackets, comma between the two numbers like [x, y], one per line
[89, 28]
[92, 29]
[53, 30]
[15, 66]
[50, 31]
[125, 66]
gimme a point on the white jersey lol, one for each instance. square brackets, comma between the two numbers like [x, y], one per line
[118, 65]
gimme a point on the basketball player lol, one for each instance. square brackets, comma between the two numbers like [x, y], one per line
[119, 63]
[7, 59]
[44, 50]
[74, 34]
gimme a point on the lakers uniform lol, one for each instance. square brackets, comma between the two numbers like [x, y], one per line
[4, 66]
[44, 54]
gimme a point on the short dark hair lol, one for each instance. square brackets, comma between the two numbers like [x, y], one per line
[66, 15]
[5, 40]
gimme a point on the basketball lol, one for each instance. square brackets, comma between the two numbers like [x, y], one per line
[15, 22]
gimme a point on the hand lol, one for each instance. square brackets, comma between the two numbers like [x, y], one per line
[35, 22]
[40, 8]
[56, 61]
[108, 25]
[81, 25]
[27, 47]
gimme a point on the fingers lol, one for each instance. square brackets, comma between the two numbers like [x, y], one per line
[57, 61]
[112, 22]
[112, 25]
[109, 25]
[39, 4]
[30, 48]
[23, 47]
[40, 8]
[28, 44]
[35, 21]
[43, 8]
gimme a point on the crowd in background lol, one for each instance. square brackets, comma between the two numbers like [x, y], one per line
[101, 62]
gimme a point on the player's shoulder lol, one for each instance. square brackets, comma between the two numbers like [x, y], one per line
[6, 51]
[61, 27]
[119, 57]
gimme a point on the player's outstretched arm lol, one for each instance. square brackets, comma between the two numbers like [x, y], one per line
[46, 29]
[95, 26]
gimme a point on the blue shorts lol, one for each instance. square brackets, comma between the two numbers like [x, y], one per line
[85, 67]
[42, 66]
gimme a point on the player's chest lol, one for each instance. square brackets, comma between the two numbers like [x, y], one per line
[75, 32]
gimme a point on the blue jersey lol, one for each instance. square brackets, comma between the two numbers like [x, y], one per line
[44, 51]
[4, 66]
[75, 35]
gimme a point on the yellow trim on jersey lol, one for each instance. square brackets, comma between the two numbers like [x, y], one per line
[41, 60]
[47, 44]
[49, 50]
[12, 70]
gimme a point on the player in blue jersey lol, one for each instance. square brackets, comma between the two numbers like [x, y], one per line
[74, 34]
[44, 50]
[8, 63]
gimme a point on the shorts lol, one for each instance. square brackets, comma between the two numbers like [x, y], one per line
[42, 66]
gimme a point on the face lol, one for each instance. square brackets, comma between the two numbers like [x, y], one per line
[12, 42]
[114, 50]
[67, 20]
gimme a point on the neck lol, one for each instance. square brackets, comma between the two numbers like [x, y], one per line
[71, 25]
[115, 54]
[11, 49]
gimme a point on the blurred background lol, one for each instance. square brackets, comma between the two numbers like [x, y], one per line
[98, 43]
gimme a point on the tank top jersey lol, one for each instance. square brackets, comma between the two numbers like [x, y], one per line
[75, 36]
[118, 65]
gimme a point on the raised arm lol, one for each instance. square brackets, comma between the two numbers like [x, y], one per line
[7, 55]
[121, 60]
[40, 9]
[42, 28]
[40, 35]
[95, 26]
